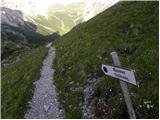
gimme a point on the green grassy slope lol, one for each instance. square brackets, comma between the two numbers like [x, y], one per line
[131, 29]
[17, 83]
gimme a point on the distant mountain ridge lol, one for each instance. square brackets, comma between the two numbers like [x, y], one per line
[23, 26]
[57, 16]
[94, 7]
[17, 33]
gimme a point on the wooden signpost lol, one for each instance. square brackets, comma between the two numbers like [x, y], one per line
[124, 76]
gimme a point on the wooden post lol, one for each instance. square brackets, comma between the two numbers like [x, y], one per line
[124, 89]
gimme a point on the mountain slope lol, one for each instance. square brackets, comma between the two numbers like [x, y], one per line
[19, 34]
[131, 29]
[51, 16]
[59, 18]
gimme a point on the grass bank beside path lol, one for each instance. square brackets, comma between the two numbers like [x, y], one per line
[17, 83]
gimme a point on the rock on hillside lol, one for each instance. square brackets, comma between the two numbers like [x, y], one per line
[15, 18]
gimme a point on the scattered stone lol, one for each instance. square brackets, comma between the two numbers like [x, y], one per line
[73, 89]
[71, 82]
[77, 84]
[46, 107]
[89, 89]
[70, 106]
[74, 108]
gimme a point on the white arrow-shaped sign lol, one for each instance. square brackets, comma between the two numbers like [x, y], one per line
[120, 73]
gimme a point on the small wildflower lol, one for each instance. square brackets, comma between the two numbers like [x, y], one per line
[151, 106]
[148, 106]
[146, 102]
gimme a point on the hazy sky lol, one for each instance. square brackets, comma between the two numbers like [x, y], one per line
[41, 6]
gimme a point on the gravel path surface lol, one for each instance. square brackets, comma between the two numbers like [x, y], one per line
[44, 103]
[89, 90]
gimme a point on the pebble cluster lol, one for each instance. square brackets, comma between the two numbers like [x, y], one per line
[87, 109]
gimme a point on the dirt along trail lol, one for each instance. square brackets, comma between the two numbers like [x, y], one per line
[44, 103]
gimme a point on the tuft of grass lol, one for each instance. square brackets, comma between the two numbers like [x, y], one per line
[131, 29]
[17, 83]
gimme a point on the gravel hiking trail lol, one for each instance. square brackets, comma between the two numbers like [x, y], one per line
[44, 103]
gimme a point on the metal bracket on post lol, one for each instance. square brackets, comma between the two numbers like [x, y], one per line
[124, 88]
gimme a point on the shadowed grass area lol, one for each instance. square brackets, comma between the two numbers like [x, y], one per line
[17, 83]
[131, 29]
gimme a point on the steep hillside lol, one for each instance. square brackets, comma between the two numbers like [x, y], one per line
[19, 34]
[131, 29]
